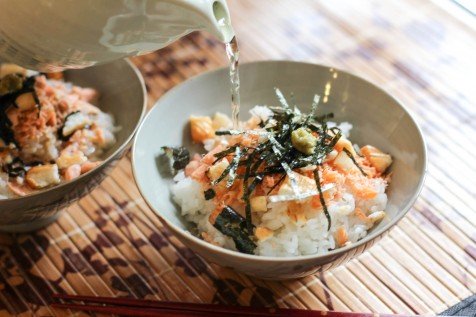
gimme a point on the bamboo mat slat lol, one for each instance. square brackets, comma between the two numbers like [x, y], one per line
[111, 244]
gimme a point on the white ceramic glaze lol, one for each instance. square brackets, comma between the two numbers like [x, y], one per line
[378, 119]
[50, 35]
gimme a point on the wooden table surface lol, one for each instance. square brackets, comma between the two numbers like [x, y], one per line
[422, 52]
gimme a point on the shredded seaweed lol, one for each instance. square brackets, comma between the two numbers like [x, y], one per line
[281, 98]
[276, 155]
[230, 169]
[228, 132]
[277, 184]
[349, 154]
[246, 197]
[321, 197]
[257, 180]
[312, 113]
[225, 153]
[234, 166]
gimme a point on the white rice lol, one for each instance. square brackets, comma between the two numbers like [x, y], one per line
[290, 238]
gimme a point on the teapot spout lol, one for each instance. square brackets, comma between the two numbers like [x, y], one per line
[222, 23]
[216, 18]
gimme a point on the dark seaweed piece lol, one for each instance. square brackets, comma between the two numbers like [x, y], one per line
[61, 136]
[334, 140]
[15, 168]
[231, 224]
[6, 132]
[7, 100]
[321, 198]
[179, 156]
[246, 198]
[209, 194]
[234, 165]
[251, 169]
[354, 161]
[262, 123]
[224, 153]
[28, 84]
[230, 169]
[324, 133]
[228, 132]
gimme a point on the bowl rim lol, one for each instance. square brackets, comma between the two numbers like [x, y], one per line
[260, 258]
[106, 161]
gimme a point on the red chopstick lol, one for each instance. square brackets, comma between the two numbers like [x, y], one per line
[146, 308]
[222, 309]
[134, 311]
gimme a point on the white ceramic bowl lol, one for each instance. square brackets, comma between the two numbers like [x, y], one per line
[123, 94]
[378, 119]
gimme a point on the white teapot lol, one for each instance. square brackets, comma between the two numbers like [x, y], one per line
[51, 35]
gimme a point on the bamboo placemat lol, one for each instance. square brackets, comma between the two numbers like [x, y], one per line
[112, 244]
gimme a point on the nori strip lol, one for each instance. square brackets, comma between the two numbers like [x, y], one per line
[229, 132]
[334, 140]
[231, 224]
[234, 166]
[277, 183]
[321, 198]
[354, 161]
[246, 198]
[312, 113]
[229, 168]
[224, 153]
[281, 99]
